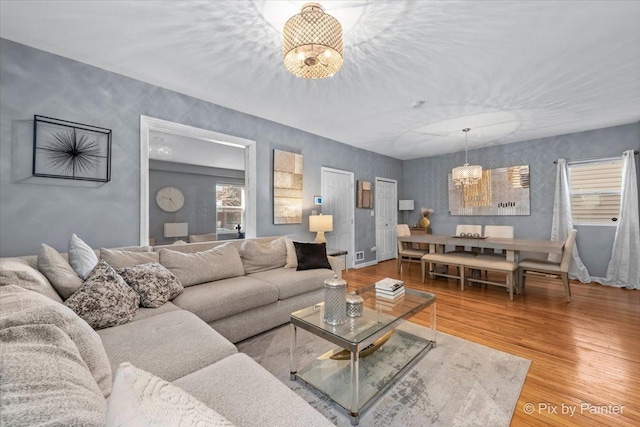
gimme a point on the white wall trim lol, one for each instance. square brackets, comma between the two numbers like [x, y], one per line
[350, 259]
[148, 124]
[365, 264]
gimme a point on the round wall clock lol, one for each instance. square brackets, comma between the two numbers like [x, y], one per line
[170, 199]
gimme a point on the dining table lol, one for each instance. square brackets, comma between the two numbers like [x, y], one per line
[512, 247]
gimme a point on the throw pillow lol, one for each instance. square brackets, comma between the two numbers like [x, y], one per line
[142, 399]
[311, 256]
[105, 299]
[154, 283]
[23, 307]
[216, 263]
[260, 255]
[292, 258]
[122, 259]
[17, 271]
[60, 274]
[45, 381]
[81, 257]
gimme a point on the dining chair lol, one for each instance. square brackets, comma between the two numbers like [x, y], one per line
[405, 250]
[558, 269]
[467, 229]
[210, 237]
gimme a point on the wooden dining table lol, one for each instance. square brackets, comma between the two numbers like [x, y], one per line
[512, 247]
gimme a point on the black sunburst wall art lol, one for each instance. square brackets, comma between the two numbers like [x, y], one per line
[69, 150]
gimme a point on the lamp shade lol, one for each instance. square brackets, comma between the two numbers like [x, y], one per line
[176, 229]
[405, 205]
[312, 45]
[321, 223]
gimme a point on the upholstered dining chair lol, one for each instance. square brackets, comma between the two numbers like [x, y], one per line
[467, 229]
[405, 250]
[501, 231]
[558, 269]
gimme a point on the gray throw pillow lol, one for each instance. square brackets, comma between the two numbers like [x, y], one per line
[122, 259]
[263, 255]
[60, 274]
[23, 307]
[105, 299]
[154, 283]
[216, 263]
[81, 257]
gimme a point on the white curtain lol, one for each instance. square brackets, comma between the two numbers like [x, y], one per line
[624, 267]
[563, 222]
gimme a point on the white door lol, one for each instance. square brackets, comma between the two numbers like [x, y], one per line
[338, 200]
[385, 203]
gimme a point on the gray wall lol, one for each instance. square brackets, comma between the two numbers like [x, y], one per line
[198, 184]
[36, 210]
[425, 181]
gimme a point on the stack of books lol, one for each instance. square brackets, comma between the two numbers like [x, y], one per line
[389, 289]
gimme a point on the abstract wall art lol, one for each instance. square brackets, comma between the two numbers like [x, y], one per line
[69, 150]
[500, 192]
[287, 187]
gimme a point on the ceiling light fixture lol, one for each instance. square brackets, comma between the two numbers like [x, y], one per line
[466, 174]
[312, 46]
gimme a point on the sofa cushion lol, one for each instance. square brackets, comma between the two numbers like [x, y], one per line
[142, 399]
[248, 395]
[216, 300]
[45, 381]
[154, 283]
[291, 282]
[292, 257]
[144, 312]
[60, 274]
[105, 299]
[81, 257]
[260, 255]
[23, 307]
[122, 259]
[169, 345]
[17, 271]
[216, 263]
[311, 255]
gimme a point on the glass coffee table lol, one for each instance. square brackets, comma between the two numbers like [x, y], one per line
[361, 368]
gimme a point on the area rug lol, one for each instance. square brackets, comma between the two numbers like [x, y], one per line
[457, 383]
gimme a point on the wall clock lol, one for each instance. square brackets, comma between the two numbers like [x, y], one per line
[170, 199]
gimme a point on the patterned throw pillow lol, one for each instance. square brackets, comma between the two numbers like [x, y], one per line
[154, 283]
[142, 399]
[105, 299]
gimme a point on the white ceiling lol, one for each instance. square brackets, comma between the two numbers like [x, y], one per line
[509, 70]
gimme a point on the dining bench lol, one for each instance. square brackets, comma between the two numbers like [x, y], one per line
[509, 268]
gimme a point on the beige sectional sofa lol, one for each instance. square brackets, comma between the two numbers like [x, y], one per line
[187, 341]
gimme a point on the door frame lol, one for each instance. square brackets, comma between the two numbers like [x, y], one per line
[394, 221]
[350, 258]
[148, 124]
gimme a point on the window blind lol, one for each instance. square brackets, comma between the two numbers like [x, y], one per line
[595, 191]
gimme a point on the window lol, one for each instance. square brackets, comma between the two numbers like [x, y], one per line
[229, 206]
[595, 191]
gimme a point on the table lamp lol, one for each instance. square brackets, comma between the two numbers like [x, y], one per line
[405, 205]
[176, 229]
[320, 224]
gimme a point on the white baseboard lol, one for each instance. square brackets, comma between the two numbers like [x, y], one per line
[365, 264]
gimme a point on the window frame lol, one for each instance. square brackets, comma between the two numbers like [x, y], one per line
[242, 208]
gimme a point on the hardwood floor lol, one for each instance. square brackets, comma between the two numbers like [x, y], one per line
[586, 352]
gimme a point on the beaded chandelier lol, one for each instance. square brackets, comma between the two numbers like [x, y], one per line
[312, 45]
[466, 174]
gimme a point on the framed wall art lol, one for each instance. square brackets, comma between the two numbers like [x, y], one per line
[69, 150]
[287, 187]
[500, 192]
[365, 195]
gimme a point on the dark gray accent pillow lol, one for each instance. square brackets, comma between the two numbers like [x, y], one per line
[154, 283]
[311, 256]
[105, 299]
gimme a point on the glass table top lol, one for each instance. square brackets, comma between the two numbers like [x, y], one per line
[378, 314]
